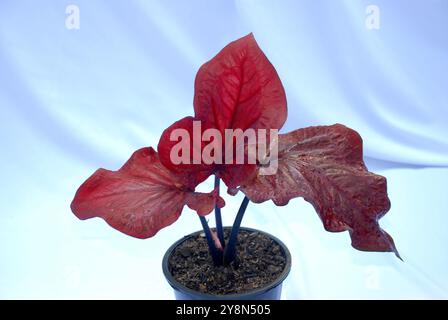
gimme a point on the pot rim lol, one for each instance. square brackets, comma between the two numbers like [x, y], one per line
[178, 286]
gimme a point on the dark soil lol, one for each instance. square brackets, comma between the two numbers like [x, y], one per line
[259, 262]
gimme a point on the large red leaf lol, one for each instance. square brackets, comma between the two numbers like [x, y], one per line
[169, 140]
[239, 88]
[232, 174]
[324, 165]
[142, 197]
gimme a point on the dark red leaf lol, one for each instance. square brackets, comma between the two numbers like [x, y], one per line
[168, 140]
[142, 197]
[324, 165]
[235, 174]
[238, 89]
[231, 174]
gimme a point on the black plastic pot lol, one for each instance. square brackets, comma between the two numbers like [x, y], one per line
[271, 291]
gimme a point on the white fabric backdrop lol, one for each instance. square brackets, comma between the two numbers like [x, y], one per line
[75, 100]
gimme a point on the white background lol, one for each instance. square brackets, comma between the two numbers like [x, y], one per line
[72, 101]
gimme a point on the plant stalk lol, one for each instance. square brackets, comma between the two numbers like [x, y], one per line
[218, 218]
[230, 250]
[214, 252]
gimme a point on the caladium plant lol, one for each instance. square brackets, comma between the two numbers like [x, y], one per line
[239, 89]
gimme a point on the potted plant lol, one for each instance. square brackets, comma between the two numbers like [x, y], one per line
[239, 104]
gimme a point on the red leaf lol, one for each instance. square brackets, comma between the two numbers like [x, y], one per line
[140, 198]
[204, 203]
[324, 165]
[231, 174]
[165, 148]
[235, 174]
[239, 88]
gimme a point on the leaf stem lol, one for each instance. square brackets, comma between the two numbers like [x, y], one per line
[214, 252]
[218, 218]
[230, 250]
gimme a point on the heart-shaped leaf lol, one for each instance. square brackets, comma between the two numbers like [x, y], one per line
[142, 197]
[237, 89]
[240, 88]
[324, 165]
